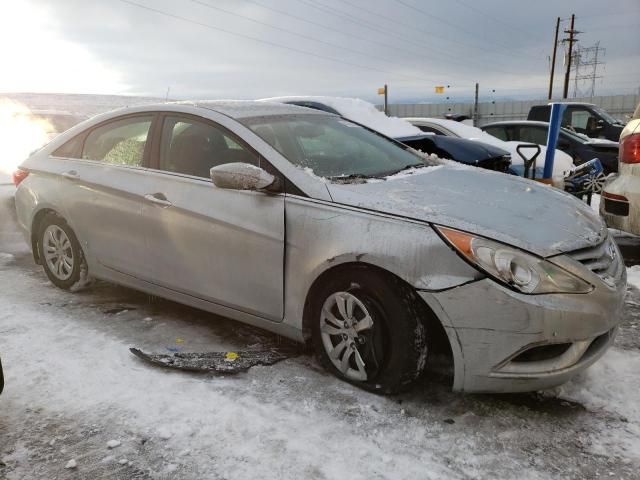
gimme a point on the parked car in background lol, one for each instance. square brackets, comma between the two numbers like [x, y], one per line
[479, 154]
[620, 205]
[562, 163]
[580, 148]
[585, 118]
[322, 230]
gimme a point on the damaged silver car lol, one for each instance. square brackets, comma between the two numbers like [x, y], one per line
[321, 230]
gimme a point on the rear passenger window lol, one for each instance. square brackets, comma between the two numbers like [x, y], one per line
[120, 143]
[193, 148]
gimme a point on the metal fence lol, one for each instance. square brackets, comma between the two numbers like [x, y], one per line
[619, 106]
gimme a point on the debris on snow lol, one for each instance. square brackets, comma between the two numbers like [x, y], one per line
[113, 443]
[71, 464]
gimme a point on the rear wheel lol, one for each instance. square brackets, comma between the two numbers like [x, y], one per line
[367, 330]
[60, 253]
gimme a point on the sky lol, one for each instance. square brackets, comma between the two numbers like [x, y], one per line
[261, 48]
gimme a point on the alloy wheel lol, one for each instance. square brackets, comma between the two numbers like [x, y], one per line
[346, 327]
[58, 252]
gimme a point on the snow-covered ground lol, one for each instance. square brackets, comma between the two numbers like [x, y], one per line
[74, 395]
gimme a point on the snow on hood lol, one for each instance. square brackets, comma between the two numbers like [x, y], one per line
[359, 111]
[519, 212]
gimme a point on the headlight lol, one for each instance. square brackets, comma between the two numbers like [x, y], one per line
[515, 268]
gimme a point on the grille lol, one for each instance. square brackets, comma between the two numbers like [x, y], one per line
[604, 259]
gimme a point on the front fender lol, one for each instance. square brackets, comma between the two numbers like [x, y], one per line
[321, 236]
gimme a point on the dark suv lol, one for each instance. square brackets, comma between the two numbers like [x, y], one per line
[585, 118]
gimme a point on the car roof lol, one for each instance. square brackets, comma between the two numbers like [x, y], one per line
[252, 108]
[232, 108]
[584, 104]
[517, 122]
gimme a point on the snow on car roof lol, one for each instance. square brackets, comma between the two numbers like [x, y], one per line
[359, 111]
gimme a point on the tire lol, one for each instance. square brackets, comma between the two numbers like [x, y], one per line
[60, 253]
[387, 353]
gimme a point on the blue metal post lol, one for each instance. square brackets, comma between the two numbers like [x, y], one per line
[557, 109]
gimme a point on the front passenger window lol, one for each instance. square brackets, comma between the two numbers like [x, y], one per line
[193, 148]
[120, 143]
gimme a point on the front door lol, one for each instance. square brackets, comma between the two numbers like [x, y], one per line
[223, 246]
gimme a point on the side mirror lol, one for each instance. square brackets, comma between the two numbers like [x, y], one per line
[242, 176]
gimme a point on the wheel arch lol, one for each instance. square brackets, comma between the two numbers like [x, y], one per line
[35, 228]
[438, 338]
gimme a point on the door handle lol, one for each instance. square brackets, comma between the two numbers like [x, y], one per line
[71, 175]
[159, 199]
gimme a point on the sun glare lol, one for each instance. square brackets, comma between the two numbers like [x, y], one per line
[20, 134]
[33, 58]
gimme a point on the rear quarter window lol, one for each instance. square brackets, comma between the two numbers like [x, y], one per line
[120, 142]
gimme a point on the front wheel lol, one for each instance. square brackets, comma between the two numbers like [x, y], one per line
[60, 253]
[367, 329]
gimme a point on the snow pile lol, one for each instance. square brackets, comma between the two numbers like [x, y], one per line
[633, 277]
[611, 384]
[361, 112]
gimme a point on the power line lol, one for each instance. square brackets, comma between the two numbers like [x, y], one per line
[385, 31]
[291, 32]
[387, 45]
[496, 19]
[315, 39]
[266, 42]
[463, 45]
[453, 25]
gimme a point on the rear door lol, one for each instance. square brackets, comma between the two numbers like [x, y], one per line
[223, 246]
[103, 183]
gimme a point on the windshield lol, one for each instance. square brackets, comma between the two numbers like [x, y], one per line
[605, 115]
[573, 135]
[332, 146]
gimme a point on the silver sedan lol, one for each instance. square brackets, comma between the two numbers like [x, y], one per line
[326, 232]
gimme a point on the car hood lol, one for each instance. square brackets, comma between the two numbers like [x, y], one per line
[519, 212]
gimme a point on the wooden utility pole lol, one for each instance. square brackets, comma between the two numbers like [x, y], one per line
[572, 39]
[553, 59]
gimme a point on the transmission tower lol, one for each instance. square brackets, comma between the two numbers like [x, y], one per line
[586, 61]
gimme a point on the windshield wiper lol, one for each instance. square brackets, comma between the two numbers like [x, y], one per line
[406, 167]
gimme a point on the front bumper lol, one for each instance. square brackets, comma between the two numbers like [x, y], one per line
[505, 341]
